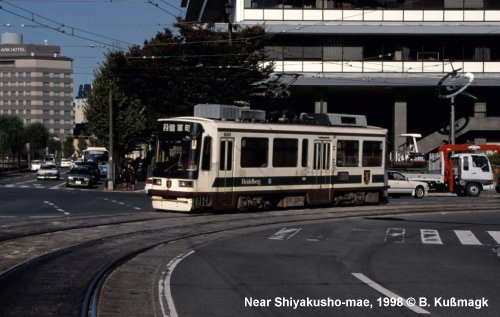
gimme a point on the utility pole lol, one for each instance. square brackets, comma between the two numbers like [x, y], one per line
[228, 8]
[111, 179]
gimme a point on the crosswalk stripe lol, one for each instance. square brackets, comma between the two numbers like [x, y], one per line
[430, 236]
[285, 234]
[495, 235]
[466, 237]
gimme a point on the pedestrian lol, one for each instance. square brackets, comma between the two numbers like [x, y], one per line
[132, 176]
[125, 178]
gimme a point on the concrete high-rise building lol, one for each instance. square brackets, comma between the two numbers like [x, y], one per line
[382, 58]
[81, 103]
[36, 84]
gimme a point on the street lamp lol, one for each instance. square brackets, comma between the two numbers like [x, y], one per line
[228, 8]
[450, 86]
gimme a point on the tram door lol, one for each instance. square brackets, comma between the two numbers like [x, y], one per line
[226, 168]
[321, 170]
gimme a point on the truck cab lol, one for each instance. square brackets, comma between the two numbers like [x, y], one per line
[471, 171]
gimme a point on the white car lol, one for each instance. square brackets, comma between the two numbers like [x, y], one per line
[35, 165]
[66, 162]
[400, 185]
[48, 171]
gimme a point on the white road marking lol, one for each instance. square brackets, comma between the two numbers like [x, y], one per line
[466, 237]
[388, 293]
[395, 235]
[56, 207]
[57, 186]
[30, 181]
[430, 236]
[285, 234]
[495, 235]
[164, 286]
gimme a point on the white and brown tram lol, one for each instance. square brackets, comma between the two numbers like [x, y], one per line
[214, 164]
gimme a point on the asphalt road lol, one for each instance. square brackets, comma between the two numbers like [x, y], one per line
[23, 196]
[428, 264]
[317, 262]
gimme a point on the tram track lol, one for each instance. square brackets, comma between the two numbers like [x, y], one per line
[87, 264]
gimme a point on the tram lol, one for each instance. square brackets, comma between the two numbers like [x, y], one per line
[227, 158]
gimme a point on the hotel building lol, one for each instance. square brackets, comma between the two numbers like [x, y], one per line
[36, 84]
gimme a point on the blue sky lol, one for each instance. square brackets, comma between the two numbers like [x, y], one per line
[86, 29]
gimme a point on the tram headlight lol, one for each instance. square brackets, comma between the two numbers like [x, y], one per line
[185, 183]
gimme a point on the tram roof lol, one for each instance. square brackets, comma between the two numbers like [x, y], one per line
[280, 127]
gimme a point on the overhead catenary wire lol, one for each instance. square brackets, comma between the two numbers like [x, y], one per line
[160, 8]
[61, 27]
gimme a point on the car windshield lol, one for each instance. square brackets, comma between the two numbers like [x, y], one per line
[397, 176]
[48, 167]
[178, 150]
[79, 170]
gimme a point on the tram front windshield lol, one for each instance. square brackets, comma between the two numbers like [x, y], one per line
[177, 156]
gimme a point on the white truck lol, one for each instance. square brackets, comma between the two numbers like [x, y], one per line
[459, 169]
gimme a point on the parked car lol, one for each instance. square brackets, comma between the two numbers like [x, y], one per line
[48, 171]
[35, 165]
[66, 162]
[400, 185]
[80, 176]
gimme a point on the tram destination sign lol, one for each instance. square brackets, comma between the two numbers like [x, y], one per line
[177, 127]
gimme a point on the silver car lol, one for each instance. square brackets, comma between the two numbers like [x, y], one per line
[48, 171]
[400, 185]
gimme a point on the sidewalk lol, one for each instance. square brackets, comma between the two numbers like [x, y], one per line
[139, 187]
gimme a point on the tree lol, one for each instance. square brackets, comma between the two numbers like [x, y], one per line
[68, 148]
[36, 135]
[82, 145]
[12, 141]
[54, 146]
[170, 74]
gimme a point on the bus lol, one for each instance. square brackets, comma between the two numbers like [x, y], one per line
[99, 155]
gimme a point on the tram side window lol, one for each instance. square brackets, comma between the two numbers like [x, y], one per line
[372, 153]
[347, 153]
[305, 146]
[254, 152]
[226, 155]
[206, 154]
[285, 152]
